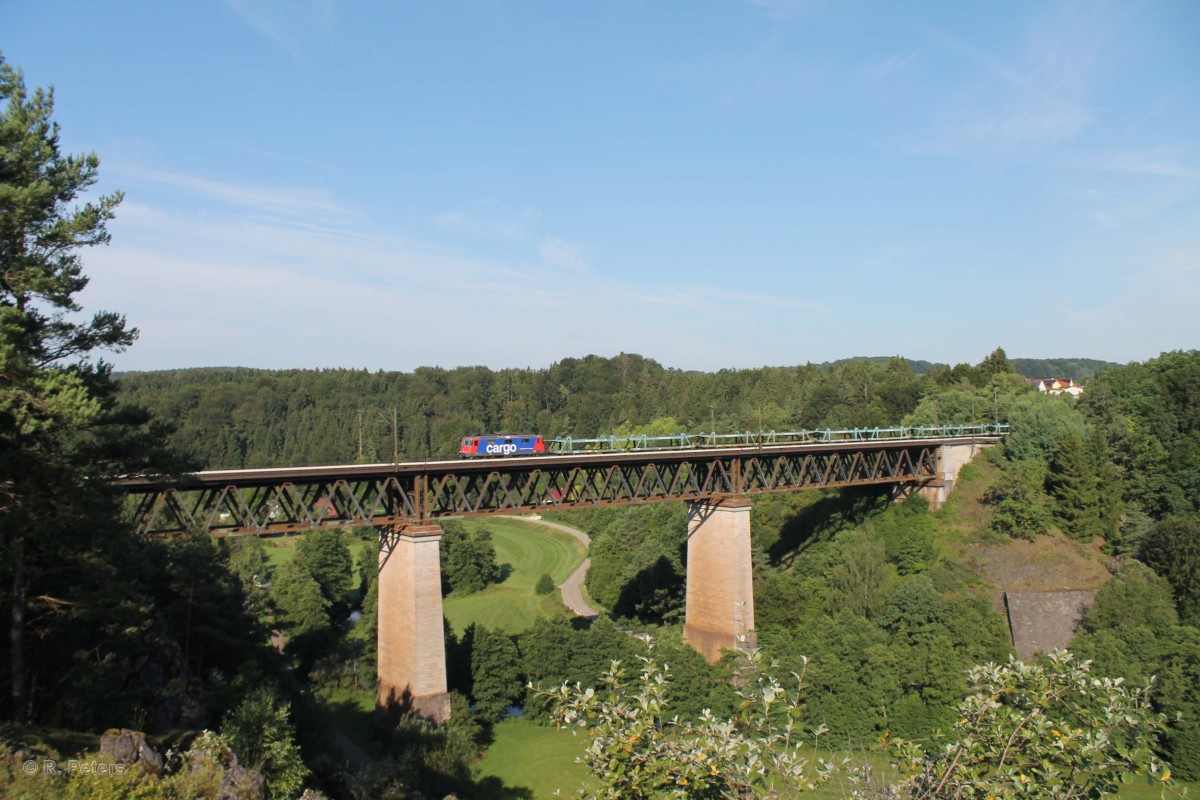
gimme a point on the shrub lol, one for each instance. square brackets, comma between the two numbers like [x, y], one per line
[637, 749]
[1049, 730]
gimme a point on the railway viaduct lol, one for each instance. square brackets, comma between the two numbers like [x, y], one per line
[403, 501]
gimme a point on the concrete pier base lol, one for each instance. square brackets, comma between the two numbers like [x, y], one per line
[720, 578]
[411, 675]
[950, 459]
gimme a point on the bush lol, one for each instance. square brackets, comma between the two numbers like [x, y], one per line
[468, 559]
[260, 731]
[637, 749]
[1020, 501]
[1049, 730]
[545, 584]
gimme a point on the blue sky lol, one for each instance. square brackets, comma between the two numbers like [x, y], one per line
[711, 184]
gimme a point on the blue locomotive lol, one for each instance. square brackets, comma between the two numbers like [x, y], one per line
[492, 445]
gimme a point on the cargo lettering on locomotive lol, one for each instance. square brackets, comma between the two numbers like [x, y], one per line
[495, 445]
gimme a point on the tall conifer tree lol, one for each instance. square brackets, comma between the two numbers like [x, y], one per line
[57, 425]
[1073, 485]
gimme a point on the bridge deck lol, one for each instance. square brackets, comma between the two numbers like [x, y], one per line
[288, 499]
[272, 475]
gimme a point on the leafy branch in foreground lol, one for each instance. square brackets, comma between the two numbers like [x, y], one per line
[637, 751]
[1037, 730]
[1048, 730]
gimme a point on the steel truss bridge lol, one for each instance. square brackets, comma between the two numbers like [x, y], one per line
[285, 500]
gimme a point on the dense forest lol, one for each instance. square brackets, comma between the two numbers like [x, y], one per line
[214, 673]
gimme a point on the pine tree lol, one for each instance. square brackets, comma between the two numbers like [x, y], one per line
[996, 363]
[483, 551]
[367, 628]
[1109, 490]
[58, 426]
[1172, 549]
[1072, 483]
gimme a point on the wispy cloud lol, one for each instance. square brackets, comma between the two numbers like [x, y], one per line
[1024, 124]
[288, 23]
[561, 253]
[1025, 81]
[272, 199]
[225, 286]
[1022, 101]
[1169, 162]
[889, 65]
[779, 9]
[1132, 185]
[493, 219]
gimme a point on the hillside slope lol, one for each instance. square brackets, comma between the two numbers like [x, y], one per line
[1050, 563]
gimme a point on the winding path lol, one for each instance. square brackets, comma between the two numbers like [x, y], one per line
[572, 587]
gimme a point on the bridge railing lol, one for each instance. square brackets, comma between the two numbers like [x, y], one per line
[685, 441]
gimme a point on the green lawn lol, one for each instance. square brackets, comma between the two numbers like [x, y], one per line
[280, 550]
[526, 550]
[526, 756]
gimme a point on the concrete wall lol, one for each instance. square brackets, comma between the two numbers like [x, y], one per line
[1045, 621]
[950, 460]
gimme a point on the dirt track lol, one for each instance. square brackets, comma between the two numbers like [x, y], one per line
[572, 588]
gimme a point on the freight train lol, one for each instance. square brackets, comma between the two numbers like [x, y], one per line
[499, 445]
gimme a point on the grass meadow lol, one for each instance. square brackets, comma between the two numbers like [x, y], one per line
[527, 757]
[524, 551]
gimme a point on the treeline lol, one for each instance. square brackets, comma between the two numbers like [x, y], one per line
[232, 418]
[1081, 369]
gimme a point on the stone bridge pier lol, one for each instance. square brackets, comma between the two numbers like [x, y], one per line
[720, 577]
[411, 672]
